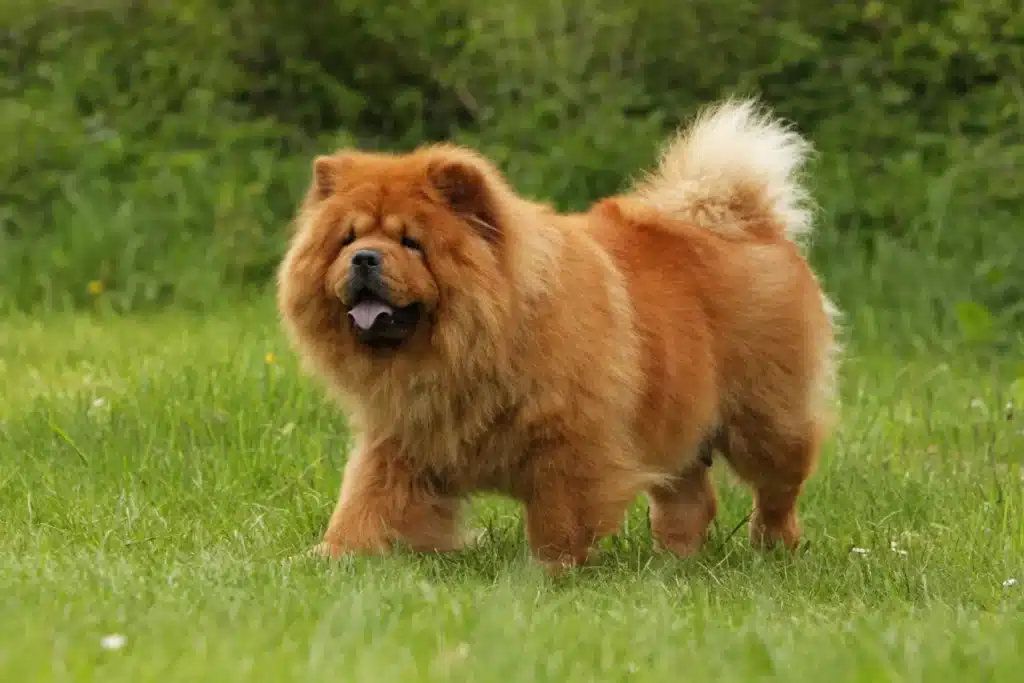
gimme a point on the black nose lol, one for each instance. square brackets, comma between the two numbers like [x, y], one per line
[366, 259]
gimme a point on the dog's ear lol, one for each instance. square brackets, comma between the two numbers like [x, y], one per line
[467, 187]
[328, 172]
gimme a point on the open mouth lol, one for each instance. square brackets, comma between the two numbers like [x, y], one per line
[379, 324]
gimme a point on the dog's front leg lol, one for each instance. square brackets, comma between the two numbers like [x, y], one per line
[579, 493]
[383, 499]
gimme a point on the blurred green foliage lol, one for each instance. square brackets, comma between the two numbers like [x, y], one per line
[160, 147]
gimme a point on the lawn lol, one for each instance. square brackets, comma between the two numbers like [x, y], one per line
[159, 474]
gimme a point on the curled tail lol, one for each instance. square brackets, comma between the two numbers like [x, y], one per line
[734, 170]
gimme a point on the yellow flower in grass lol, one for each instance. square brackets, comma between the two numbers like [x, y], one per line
[95, 287]
[270, 358]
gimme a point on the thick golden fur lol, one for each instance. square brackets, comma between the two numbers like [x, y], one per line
[570, 361]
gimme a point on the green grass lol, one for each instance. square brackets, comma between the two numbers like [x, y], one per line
[158, 474]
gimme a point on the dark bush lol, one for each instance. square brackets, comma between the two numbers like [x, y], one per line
[160, 147]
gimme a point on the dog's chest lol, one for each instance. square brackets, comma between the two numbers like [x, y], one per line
[472, 443]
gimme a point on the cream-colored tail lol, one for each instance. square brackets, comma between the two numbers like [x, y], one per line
[735, 170]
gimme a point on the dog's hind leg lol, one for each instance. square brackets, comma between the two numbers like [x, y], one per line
[775, 462]
[682, 509]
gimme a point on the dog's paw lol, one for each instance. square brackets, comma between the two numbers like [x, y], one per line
[325, 551]
[681, 547]
[320, 551]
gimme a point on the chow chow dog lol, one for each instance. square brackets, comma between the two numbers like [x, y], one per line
[482, 341]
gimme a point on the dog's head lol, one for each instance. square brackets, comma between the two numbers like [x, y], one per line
[397, 253]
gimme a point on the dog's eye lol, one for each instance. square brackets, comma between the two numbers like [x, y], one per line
[410, 243]
[349, 239]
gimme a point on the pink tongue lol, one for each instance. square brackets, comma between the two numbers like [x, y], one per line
[365, 313]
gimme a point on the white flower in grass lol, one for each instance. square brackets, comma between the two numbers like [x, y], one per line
[896, 549]
[1009, 583]
[860, 551]
[114, 641]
